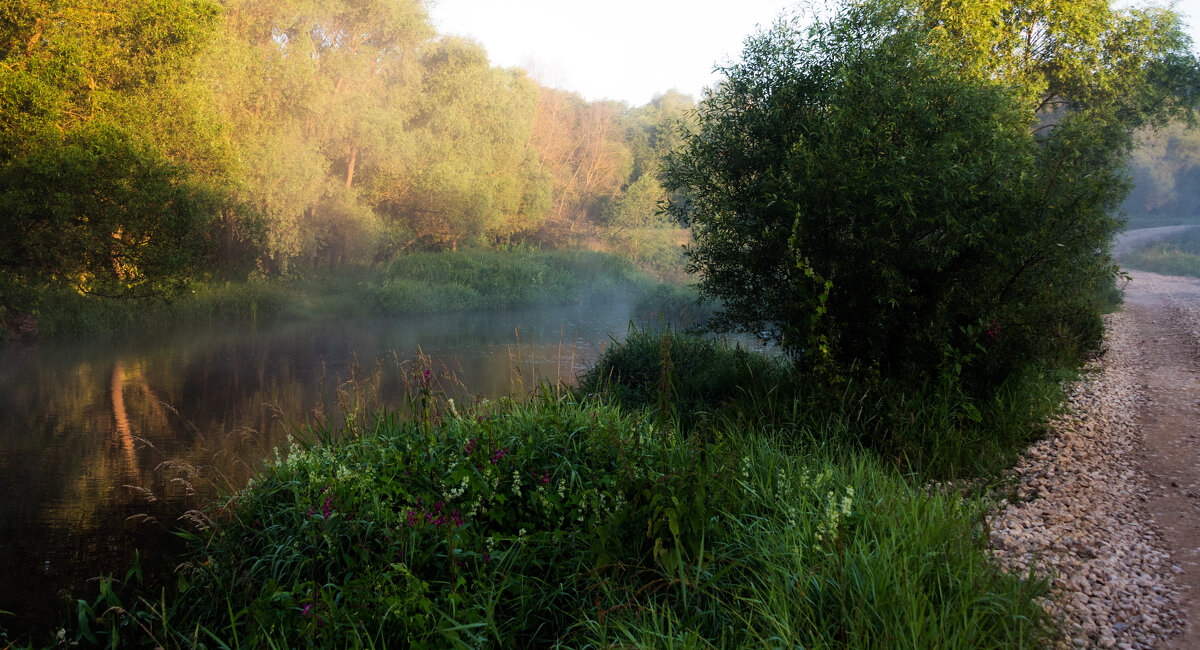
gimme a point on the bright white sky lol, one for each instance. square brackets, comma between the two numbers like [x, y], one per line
[625, 49]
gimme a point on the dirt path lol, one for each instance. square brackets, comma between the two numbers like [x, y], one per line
[1165, 312]
[1108, 504]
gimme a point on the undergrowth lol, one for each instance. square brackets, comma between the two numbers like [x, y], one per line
[688, 494]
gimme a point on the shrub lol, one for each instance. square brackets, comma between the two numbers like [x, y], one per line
[858, 196]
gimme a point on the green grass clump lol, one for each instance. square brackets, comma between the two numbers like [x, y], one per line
[691, 379]
[1175, 255]
[569, 522]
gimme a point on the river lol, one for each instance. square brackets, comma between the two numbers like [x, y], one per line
[105, 444]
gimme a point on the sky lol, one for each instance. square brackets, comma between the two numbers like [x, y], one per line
[628, 50]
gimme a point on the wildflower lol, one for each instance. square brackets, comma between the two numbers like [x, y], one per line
[327, 509]
[516, 482]
[307, 609]
[455, 492]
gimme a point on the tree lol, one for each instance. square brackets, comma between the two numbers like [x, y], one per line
[103, 215]
[1166, 176]
[869, 197]
[581, 147]
[317, 96]
[475, 175]
[93, 196]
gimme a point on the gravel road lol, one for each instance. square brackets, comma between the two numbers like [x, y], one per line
[1108, 504]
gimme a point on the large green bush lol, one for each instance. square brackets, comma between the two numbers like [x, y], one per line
[865, 198]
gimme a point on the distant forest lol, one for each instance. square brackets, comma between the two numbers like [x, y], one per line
[144, 142]
[1166, 177]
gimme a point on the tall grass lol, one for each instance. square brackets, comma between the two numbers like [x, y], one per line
[936, 430]
[1175, 255]
[63, 313]
[573, 522]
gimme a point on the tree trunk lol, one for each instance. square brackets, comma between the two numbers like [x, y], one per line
[350, 166]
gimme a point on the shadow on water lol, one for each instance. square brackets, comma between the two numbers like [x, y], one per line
[104, 445]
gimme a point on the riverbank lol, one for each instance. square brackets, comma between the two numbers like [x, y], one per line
[420, 283]
[771, 513]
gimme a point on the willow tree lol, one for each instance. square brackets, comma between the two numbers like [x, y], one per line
[909, 189]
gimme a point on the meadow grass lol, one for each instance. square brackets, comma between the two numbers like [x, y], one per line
[688, 494]
[1178, 254]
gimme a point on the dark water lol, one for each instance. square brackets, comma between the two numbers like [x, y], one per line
[90, 432]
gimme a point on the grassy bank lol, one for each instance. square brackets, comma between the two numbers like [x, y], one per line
[1175, 255]
[413, 284]
[687, 495]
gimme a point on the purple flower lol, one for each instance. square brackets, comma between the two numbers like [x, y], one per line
[306, 610]
[327, 509]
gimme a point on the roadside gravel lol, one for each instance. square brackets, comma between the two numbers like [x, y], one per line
[1084, 506]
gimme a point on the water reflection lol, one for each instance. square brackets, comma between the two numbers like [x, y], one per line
[104, 445]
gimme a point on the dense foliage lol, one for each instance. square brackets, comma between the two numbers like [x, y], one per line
[869, 191]
[275, 138]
